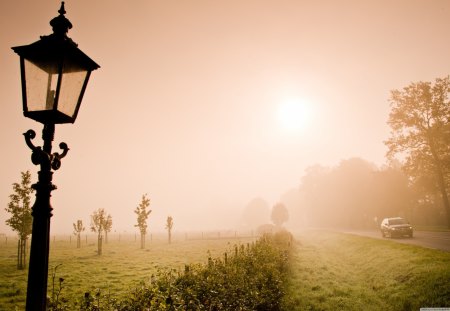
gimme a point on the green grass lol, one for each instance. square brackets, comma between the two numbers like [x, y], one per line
[121, 266]
[332, 271]
[329, 271]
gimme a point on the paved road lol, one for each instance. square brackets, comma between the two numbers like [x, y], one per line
[436, 240]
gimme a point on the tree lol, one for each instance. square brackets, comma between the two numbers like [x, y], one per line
[21, 219]
[169, 226]
[420, 132]
[107, 227]
[279, 214]
[99, 221]
[142, 215]
[77, 229]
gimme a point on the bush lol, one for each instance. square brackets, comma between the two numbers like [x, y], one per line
[248, 277]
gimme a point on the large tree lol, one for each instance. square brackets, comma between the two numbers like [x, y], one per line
[99, 221]
[21, 220]
[420, 133]
[142, 215]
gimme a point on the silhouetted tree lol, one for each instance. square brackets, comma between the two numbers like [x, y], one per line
[279, 214]
[142, 215]
[169, 226]
[420, 132]
[98, 224]
[21, 219]
[77, 229]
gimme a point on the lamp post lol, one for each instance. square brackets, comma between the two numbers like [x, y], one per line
[54, 74]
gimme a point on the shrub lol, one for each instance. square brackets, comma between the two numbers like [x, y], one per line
[247, 277]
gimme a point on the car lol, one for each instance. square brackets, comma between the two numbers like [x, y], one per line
[396, 227]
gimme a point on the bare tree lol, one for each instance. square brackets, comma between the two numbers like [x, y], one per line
[77, 229]
[142, 215]
[169, 226]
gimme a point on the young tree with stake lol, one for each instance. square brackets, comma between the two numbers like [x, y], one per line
[77, 229]
[21, 220]
[169, 226]
[142, 215]
[98, 224]
[107, 227]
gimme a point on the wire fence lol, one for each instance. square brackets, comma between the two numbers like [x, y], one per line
[91, 238]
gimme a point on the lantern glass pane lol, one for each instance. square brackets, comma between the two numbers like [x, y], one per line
[71, 87]
[41, 83]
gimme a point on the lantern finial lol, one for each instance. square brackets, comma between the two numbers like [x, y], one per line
[61, 24]
[62, 11]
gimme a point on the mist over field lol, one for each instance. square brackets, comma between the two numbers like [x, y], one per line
[220, 111]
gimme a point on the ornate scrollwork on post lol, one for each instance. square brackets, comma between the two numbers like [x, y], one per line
[40, 157]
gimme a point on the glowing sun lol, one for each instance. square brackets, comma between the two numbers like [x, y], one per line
[295, 115]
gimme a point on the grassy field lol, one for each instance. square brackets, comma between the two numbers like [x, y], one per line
[329, 271]
[332, 271]
[122, 265]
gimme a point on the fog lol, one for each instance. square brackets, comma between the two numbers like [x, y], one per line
[207, 106]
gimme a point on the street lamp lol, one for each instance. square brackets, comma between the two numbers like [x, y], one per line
[54, 75]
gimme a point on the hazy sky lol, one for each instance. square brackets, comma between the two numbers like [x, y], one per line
[193, 100]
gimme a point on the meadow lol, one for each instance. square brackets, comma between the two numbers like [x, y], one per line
[327, 271]
[121, 267]
[334, 271]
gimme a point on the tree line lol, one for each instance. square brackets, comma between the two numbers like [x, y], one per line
[415, 183]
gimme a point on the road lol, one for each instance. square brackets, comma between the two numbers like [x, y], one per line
[436, 240]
